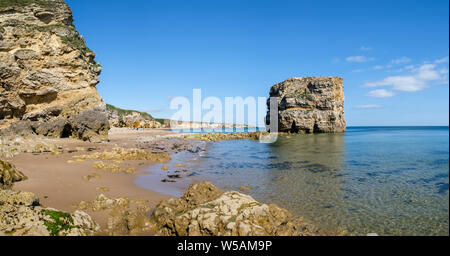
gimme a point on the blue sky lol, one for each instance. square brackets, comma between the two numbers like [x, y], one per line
[393, 55]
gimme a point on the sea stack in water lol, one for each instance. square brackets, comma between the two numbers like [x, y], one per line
[309, 105]
[47, 74]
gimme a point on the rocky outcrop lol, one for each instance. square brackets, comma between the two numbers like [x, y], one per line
[22, 215]
[309, 105]
[47, 74]
[225, 136]
[9, 174]
[126, 216]
[124, 154]
[204, 210]
[130, 118]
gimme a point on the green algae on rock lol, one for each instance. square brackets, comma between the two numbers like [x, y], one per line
[22, 215]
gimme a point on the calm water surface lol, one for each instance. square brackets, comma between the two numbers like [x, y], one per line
[385, 180]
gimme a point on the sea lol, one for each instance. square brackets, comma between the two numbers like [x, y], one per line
[382, 180]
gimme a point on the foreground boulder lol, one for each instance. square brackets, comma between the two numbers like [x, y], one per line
[9, 174]
[204, 210]
[21, 215]
[47, 74]
[309, 105]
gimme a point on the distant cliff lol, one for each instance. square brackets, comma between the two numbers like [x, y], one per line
[130, 118]
[309, 105]
[47, 74]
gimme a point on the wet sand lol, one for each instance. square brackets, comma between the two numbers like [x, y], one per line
[61, 185]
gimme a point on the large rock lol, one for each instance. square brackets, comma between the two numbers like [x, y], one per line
[309, 105]
[47, 74]
[22, 215]
[204, 210]
[9, 174]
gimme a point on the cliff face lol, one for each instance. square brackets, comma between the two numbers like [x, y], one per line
[130, 118]
[309, 105]
[47, 74]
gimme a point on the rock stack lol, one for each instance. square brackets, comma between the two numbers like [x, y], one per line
[309, 105]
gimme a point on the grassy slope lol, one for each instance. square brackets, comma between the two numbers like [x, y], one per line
[123, 112]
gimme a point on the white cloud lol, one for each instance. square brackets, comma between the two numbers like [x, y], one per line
[427, 72]
[380, 93]
[399, 70]
[402, 60]
[359, 59]
[443, 60]
[401, 83]
[378, 67]
[420, 79]
[366, 48]
[368, 106]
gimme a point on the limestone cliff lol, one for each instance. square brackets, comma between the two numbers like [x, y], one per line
[130, 118]
[47, 74]
[309, 105]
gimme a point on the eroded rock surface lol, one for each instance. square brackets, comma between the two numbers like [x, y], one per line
[204, 210]
[9, 174]
[47, 74]
[122, 154]
[309, 105]
[125, 216]
[225, 136]
[22, 215]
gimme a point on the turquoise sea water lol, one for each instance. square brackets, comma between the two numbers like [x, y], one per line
[384, 180]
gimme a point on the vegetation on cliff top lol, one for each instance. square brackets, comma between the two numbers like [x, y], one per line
[160, 120]
[122, 112]
[6, 3]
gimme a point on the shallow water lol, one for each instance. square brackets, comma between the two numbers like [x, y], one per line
[217, 130]
[384, 180]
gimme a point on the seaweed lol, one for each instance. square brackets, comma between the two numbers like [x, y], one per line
[60, 221]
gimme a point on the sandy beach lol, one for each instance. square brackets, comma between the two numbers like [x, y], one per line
[60, 182]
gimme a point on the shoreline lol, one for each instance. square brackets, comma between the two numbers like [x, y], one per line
[62, 182]
[70, 179]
